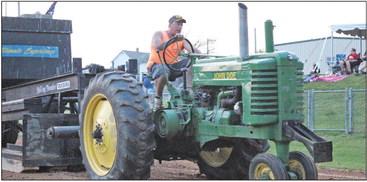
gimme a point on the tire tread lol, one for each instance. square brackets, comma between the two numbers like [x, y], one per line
[134, 155]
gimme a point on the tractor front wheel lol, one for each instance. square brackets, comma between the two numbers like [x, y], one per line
[302, 165]
[267, 166]
[116, 129]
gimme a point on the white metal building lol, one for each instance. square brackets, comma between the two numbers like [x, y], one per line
[310, 51]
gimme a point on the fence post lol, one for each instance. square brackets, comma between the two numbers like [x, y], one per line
[312, 110]
[309, 109]
[351, 111]
[346, 103]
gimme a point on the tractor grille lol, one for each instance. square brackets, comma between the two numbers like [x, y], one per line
[300, 97]
[264, 92]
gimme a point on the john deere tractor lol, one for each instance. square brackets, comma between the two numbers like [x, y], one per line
[223, 122]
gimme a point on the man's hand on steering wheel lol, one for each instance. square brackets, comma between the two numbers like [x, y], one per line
[179, 37]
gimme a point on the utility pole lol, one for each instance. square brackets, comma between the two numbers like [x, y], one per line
[6, 8]
[255, 40]
[207, 46]
[208, 41]
[18, 9]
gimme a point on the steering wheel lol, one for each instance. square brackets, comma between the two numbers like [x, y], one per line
[169, 42]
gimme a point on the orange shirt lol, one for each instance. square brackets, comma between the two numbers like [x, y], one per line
[171, 52]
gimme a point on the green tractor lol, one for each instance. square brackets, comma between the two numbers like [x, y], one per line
[223, 123]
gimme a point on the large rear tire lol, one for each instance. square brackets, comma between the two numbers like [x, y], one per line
[116, 128]
[232, 161]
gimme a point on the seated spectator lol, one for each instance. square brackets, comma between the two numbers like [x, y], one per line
[314, 73]
[350, 61]
[362, 66]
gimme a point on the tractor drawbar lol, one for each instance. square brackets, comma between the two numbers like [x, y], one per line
[58, 132]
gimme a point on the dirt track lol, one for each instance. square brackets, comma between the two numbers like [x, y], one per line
[168, 170]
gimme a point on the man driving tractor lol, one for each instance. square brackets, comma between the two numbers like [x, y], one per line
[154, 67]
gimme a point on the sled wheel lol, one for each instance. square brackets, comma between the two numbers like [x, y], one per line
[116, 129]
[267, 166]
[9, 133]
[302, 165]
[231, 160]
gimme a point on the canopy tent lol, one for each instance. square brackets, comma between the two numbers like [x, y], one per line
[358, 30]
[350, 29]
[354, 30]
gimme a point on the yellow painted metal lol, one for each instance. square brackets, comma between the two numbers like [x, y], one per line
[296, 167]
[100, 154]
[263, 171]
[218, 157]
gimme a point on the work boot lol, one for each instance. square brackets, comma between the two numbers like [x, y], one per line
[157, 103]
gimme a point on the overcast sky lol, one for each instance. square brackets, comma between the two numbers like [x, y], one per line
[102, 29]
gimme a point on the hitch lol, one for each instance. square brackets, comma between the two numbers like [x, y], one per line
[320, 149]
[60, 132]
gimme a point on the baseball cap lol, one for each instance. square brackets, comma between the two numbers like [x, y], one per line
[176, 18]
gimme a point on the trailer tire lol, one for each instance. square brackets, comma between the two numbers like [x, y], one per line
[237, 165]
[9, 133]
[116, 128]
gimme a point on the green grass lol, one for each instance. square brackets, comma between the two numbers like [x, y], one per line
[349, 150]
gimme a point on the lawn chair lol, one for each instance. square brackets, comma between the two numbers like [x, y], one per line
[334, 65]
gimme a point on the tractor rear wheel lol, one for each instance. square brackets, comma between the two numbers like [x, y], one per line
[116, 128]
[232, 161]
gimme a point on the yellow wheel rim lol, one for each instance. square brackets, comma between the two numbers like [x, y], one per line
[100, 151]
[297, 168]
[263, 171]
[218, 157]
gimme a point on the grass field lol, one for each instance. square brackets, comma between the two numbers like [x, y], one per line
[349, 150]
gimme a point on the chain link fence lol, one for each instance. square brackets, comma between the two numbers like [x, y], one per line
[336, 110]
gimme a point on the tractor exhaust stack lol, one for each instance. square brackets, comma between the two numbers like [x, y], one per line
[243, 31]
